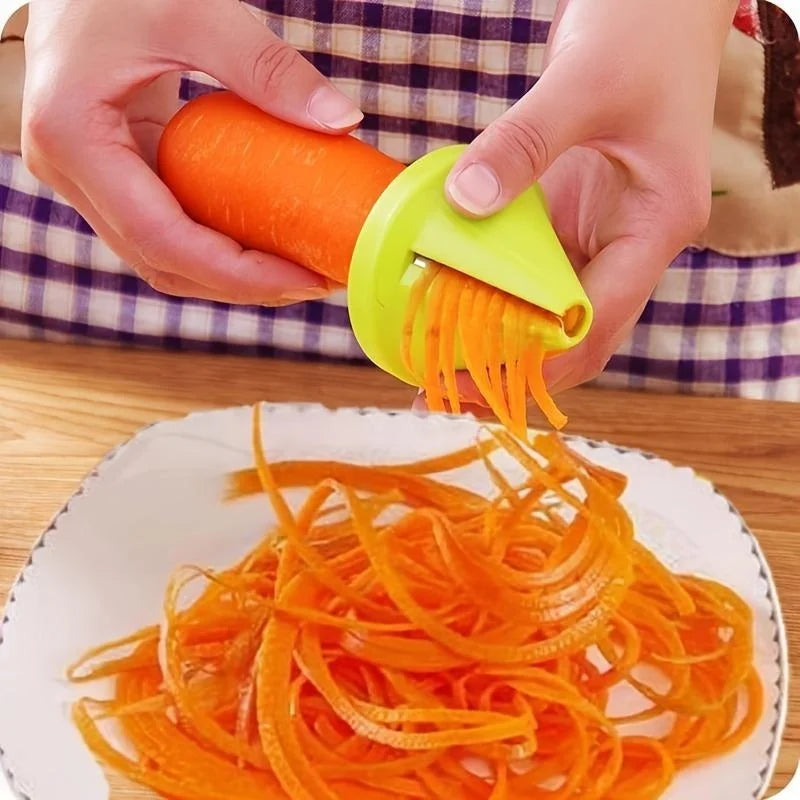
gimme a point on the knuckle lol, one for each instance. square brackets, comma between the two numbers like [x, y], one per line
[273, 64]
[596, 365]
[689, 201]
[32, 160]
[38, 144]
[163, 282]
[528, 141]
[152, 240]
[54, 128]
[678, 211]
[40, 128]
[696, 212]
[600, 348]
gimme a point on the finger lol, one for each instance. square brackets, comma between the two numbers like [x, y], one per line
[178, 286]
[419, 403]
[255, 64]
[618, 281]
[142, 211]
[514, 151]
[166, 281]
[163, 282]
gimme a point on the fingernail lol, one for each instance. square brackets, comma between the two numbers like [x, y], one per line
[332, 109]
[292, 296]
[277, 304]
[476, 189]
[302, 295]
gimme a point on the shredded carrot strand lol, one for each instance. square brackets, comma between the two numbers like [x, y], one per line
[433, 332]
[498, 340]
[534, 363]
[447, 346]
[494, 350]
[416, 298]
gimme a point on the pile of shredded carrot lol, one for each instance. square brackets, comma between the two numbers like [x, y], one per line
[496, 334]
[399, 637]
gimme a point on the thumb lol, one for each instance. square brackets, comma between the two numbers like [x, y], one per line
[239, 50]
[514, 151]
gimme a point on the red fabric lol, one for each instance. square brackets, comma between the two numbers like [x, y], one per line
[747, 19]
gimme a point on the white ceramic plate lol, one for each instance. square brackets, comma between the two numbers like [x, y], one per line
[100, 569]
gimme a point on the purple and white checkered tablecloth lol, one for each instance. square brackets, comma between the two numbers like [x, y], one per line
[427, 73]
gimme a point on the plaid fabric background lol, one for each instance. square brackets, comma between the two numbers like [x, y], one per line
[426, 73]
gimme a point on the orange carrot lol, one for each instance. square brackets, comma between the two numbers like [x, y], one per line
[410, 659]
[272, 186]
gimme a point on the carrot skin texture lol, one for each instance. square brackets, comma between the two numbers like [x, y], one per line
[270, 185]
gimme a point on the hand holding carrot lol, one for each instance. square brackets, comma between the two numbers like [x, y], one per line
[618, 129]
[101, 84]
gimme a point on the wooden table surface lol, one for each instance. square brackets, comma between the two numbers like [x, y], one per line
[63, 407]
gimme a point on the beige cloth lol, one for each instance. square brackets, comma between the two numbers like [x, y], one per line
[751, 218]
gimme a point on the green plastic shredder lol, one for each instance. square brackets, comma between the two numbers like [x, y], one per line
[413, 225]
